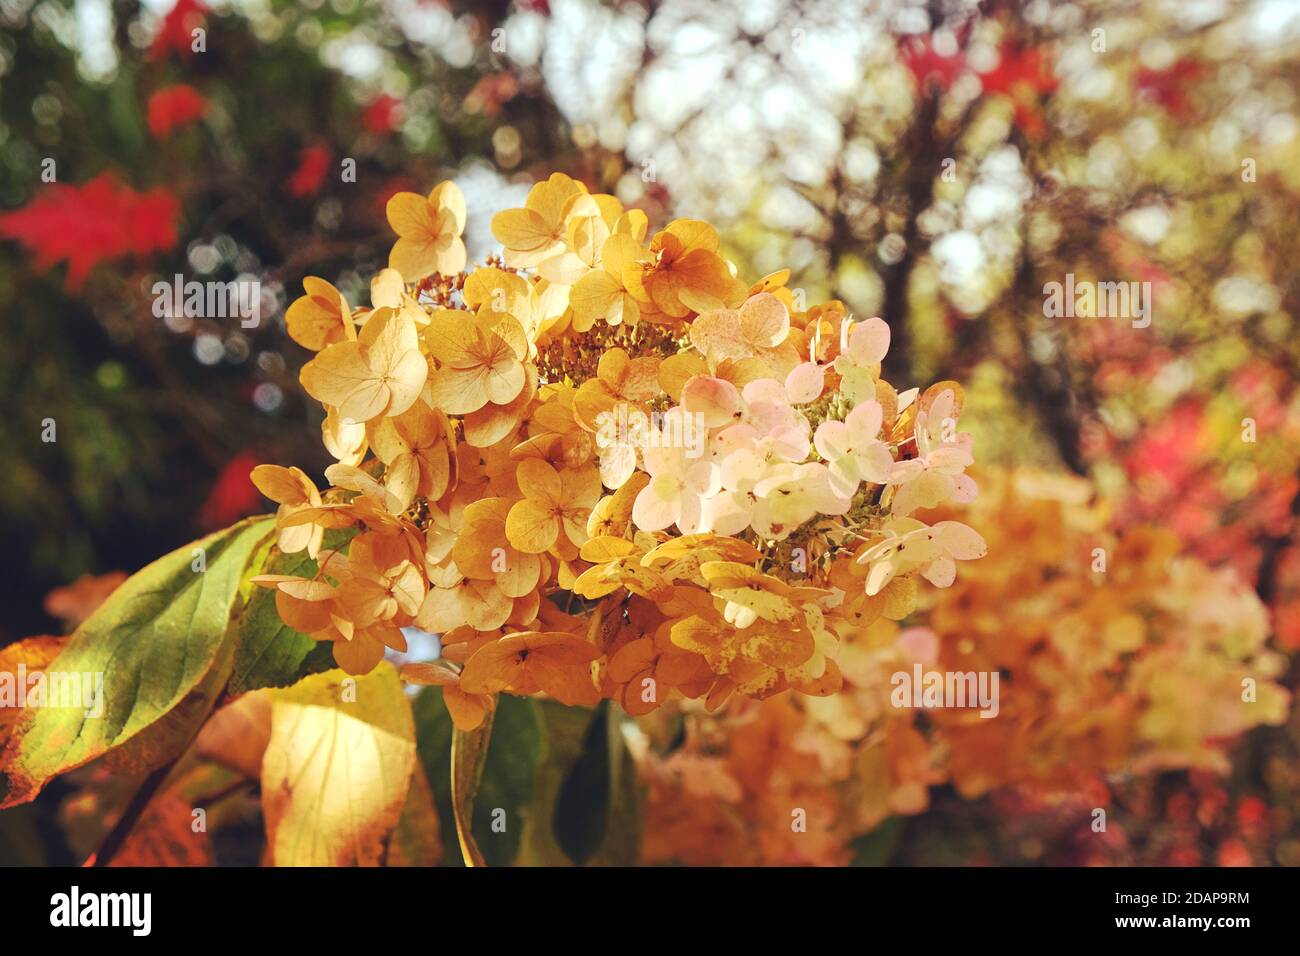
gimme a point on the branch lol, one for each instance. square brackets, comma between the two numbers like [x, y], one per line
[130, 816]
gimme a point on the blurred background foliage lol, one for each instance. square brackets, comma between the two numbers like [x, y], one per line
[158, 421]
[936, 163]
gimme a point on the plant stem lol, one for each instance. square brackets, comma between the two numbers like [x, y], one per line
[130, 816]
[468, 757]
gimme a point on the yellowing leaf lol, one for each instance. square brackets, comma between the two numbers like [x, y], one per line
[417, 840]
[162, 645]
[34, 654]
[337, 768]
[236, 735]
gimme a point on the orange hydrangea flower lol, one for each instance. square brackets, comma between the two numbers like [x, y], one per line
[477, 416]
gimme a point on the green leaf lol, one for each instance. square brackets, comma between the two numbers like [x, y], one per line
[433, 729]
[875, 848]
[509, 774]
[564, 733]
[587, 807]
[564, 772]
[163, 647]
[622, 843]
[124, 114]
[581, 814]
[269, 652]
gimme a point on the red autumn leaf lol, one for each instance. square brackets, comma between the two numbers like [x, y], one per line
[928, 66]
[1020, 69]
[1170, 447]
[93, 223]
[1023, 74]
[177, 31]
[307, 179]
[233, 494]
[383, 114]
[174, 107]
[1169, 86]
[1252, 813]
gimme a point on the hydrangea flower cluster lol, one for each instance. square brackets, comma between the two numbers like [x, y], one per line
[1157, 662]
[600, 465]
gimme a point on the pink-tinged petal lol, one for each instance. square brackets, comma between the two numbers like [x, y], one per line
[876, 463]
[792, 443]
[964, 489]
[832, 440]
[726, 513]
[661, 456]
[940, 572]
[950, 459]
[715, 399]
[703, 478]
[765, 390]
[658, 505]
[741, 470]
[617, 463]
[941, 408]
[962, 542]
[805, 382]
[764, 321]
[869, 341]
[716, 333]
[735, 438]
[905, 499]
[864, 422]
[815, 482]
[691, 514]
[905, 471]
